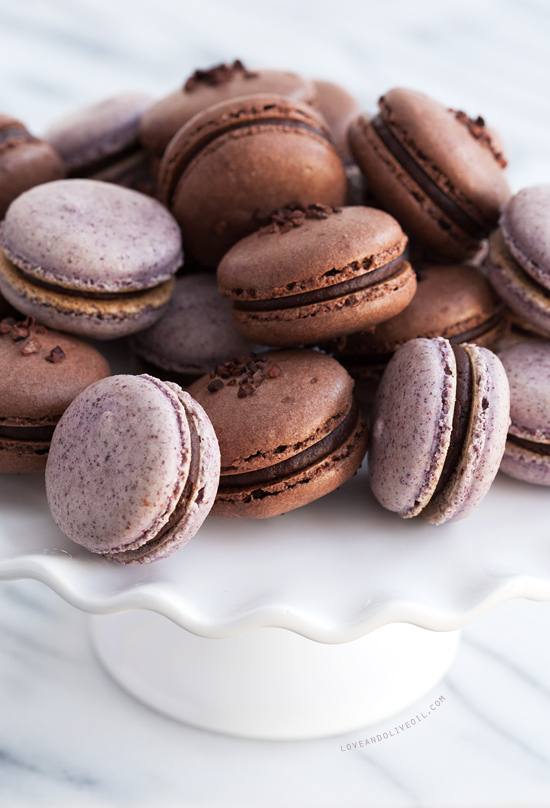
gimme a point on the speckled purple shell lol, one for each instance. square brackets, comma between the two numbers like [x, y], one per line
[525, 227]
[527, 366]
[412, 423]
[133, 469]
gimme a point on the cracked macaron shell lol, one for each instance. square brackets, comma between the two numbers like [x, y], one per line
[461, 165]
[527, 366]
[412, 425]
[86, 235]
[120, 460]
[163, 119]
[257, 153]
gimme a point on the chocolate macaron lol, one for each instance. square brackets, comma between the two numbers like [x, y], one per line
[439, 428]
[89, 257]
[289, 430]
[518, 263]
[195, 333]
[454, 301]
[204, 88]
[100, 141]
[315, 273]
[527, 453]
[243, 157]
[133, 469]
[42, 372]
[435, 169]
[339, 109]
[25, 161]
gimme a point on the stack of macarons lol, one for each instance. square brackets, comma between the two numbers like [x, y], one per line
[295, 297]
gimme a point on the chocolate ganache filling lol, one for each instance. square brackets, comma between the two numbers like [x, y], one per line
[38, 433]
[301, 460]
[530, 445]
[363, 281]
[106, 161]
[430, 188]
[84, 292]
[461, 416]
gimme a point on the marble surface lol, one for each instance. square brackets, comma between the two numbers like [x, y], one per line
[68, 735]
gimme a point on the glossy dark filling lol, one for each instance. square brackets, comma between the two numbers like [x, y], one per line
[88, 293]
[461, 416]
[444, 202]
[104, 163]
[300, 461]
[39, 433]
[326, 293]
[530, 445]
[234, 126]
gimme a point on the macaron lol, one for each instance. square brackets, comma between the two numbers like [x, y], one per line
[339, 109]
[133, 469]
[437, 170]
[89, 257]
[518, 263]
[289, 430]
[195, 332]
[317, 272]
[42, 372]
[25, 161]
[454, 301]
[439, 428]
[527, 453]
[101, 141]
[204, 88]
[243, 157]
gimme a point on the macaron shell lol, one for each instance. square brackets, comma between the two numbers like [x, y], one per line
[298, 489]
[85, 316]
[339, 109]
[199, 498]
[118, 462]
[23, 456]
[317, 254]
[525, 227]
[162, 120]
[25, 164]
[484, 443]
[89, 235]
[307, 325]
[523, 464]
[411, 425]
[278, 420]
[527, 367]
[461, 164]
[401, 195]
[528, 299]
[99, 129]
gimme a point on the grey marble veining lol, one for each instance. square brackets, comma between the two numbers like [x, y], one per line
[68, 735]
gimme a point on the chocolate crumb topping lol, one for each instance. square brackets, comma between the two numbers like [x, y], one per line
[251, 369]
[291, 216]
[478, 130]
[219, 74]
[27, 331]
[31, 346]
[56, 355]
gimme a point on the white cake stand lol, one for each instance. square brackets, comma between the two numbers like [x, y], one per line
[324, 620]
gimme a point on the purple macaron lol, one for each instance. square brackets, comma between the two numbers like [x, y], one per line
[518, 264]
[439, 428]
[133, 469]
[527, 454]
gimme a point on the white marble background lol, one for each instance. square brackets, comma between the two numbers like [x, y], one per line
[68, 735]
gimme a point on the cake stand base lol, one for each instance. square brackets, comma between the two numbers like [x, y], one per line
[271, 683]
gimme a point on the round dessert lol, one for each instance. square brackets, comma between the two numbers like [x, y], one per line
[289, 430]
[518, 264]
[42, 372]
[89, 257]
[241, 158]
[527, 453]
[339, 109]
[25, 161]
[204, 88]
[452, 301]
[100, 141]
[325, 272]
[439, 428]
[133, 469]
[195, 332]
[435, 169]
